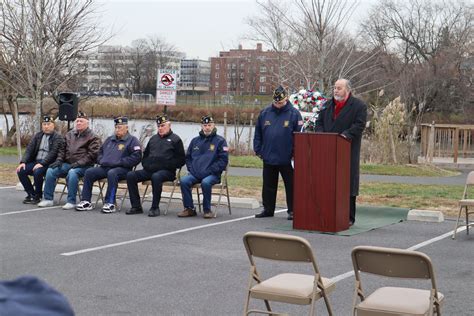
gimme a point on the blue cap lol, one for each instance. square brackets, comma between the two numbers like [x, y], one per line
[121, 120]
[29, 295]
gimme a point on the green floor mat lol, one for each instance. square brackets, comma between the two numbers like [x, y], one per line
[367, 218]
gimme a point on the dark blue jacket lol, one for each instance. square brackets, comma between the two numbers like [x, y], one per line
[125, 152]
[273, 140]
[207, 155]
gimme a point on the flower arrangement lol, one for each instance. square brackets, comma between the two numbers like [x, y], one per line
[309, 103]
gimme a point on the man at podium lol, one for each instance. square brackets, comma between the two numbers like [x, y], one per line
[273, 143]
[346, 115]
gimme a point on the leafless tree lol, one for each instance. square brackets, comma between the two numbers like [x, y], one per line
[268, 27]
[314, 33]
[41, 42]
[427, 41]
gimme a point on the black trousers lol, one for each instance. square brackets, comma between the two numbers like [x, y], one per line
[157, 178]
[38, 178]
[352, 213]
[270, 186]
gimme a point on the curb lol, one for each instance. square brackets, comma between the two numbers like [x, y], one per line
[248, 203]
[425, 216]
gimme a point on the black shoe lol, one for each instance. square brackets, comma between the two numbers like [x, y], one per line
[31, 200]
[153, 212]
[290, 216]
[134, 210]
[263, 214]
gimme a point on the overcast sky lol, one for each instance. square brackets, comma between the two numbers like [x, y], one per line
[196, 27]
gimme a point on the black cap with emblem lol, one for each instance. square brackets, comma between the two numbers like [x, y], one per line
[82, 115]
[121, 120]
[48, 119]
[279, 94]
[206, 119]
[163, 118]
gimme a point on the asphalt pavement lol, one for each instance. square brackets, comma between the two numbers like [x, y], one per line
[117, 264]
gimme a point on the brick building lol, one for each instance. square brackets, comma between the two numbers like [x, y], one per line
[244, 72]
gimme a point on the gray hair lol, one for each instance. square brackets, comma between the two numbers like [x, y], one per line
[348, 83]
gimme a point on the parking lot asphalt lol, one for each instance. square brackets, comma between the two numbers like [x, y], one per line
[115, 264]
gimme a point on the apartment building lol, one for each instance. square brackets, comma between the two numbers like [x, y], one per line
[245, 71]
[194, 78]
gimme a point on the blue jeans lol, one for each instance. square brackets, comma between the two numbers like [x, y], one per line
[113, 175]
[72, 180]
[188, 181]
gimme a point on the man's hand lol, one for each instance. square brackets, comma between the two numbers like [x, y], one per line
[56, 164]
[20, 166]
[38, 165]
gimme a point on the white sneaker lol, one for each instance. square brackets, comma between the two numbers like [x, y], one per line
[108, 208]
[84, 206]
[45, 203]
[69, 206]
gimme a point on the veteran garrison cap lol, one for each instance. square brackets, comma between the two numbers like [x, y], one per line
[206, 119]
[279, 94]
[121, 120]
[163, 118]
[48, 119]
[29, 295]
[82, 115]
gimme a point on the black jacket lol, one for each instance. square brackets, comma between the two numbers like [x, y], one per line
[164, 153]
[351, 123]
[56, 142]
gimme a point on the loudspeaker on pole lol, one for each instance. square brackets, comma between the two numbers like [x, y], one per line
[68, 105]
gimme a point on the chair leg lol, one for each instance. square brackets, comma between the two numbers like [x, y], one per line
[170, 198]
[144, 194]
[123, 199]
[457, 223]
[218, 201]
[467, 221]
[62, 192]
[100, 195]
[228, 199]
[199, 200]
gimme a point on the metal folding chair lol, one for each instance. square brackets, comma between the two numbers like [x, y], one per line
[389, 300]
[223, 185]
[173, 184]
[291, 288]
[465, 203]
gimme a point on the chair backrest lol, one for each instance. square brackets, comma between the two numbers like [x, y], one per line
[391, 262]
[470, 178]
[278, 247]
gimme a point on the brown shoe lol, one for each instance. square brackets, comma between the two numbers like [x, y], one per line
[187, 212]
[208, 215]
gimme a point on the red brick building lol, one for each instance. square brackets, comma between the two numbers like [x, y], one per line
[244, 72]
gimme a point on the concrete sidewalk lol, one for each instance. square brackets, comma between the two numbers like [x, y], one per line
[255, 172]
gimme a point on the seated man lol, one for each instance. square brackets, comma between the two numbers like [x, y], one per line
[78, 154]
[41, 151]
[117, 156]
[206, 159]
[163, 155]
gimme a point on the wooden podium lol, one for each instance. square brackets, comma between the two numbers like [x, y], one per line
[321, 182]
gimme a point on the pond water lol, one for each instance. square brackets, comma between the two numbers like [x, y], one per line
[187, 131]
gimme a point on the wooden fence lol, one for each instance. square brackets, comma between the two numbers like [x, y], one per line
[446, 140]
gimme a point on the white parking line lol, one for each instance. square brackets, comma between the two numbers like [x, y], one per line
[72, 253]
[32, 210]
[12, 187]
[349, 274]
